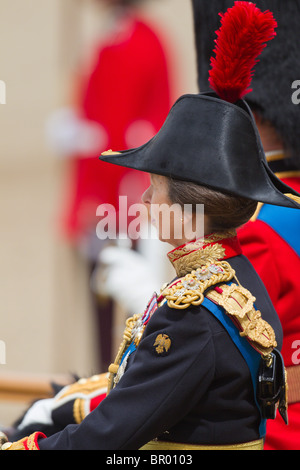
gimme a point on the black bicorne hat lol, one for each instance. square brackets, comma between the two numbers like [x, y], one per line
[208, 140]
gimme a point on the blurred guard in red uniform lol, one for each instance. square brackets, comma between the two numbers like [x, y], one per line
[124, 100]
[271, 240]
[129, 76]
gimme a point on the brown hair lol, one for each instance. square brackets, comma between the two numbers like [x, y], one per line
[225, 211]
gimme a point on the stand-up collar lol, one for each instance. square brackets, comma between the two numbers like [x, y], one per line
[214, 247]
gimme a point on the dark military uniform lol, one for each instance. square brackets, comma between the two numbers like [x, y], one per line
[197, 371]
[194, 388]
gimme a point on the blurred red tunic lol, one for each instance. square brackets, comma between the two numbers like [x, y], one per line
[278, 265]
[128, 93]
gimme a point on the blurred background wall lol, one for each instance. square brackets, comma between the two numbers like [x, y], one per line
[46, 320]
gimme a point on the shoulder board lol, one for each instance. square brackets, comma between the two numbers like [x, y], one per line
[213, 282]
[189, 290]
[238, 304]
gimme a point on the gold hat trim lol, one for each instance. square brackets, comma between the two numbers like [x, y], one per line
[110, 152]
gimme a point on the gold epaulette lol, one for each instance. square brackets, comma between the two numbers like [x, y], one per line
[83, 387]
[210, 281]
[189, 290]
[80, 391]
[238, 303]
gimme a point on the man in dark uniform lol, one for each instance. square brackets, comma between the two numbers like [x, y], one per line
[195, 369]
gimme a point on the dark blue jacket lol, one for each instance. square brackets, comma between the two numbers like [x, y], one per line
[199, 391]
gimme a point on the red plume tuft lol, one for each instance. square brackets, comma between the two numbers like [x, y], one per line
[243, 35]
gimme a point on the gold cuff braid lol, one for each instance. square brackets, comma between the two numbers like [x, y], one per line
[26, 443]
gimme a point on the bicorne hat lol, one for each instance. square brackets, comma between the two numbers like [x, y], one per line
[211, 138]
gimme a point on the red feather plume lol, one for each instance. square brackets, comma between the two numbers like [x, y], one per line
[243, 35]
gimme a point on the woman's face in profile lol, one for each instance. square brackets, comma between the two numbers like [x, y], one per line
[167, 217]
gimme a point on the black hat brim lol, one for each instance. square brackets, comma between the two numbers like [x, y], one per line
[213, 143]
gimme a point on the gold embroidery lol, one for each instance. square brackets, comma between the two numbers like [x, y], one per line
[236, 300]
[31, 442]
[239, 303]
[198, 258]
[162, 343]
[84, 386]
[26, 443]
[7, 446]
[19, 445]
[199, 244]
[190, 289]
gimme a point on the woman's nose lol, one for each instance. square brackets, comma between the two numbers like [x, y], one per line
[146, 197]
